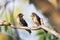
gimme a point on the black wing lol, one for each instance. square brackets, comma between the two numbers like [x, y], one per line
[23, 22]
[38, 18]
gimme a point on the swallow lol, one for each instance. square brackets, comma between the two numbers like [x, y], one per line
[22, 22]
[36, 19]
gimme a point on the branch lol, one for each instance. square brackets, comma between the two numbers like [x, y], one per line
[3, 23]
[49, 11]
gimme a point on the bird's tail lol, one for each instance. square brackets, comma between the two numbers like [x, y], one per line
[45, 31]
[29, 31]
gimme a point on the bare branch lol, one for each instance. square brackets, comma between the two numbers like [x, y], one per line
[3, 23]
[51, 31]
[37, 28]
[49, 11]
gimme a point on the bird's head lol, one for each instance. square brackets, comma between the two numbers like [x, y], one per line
[20, 15]
[33, 14]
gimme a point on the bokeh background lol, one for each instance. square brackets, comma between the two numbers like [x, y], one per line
[9, 9]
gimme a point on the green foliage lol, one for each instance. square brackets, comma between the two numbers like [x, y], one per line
[49, 37]
[45, 36]
[40, 32]
[6, 28]
[0, 29]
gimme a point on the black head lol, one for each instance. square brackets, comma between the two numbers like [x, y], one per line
[20, 15]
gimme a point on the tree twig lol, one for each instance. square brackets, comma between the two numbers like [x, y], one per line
[3, 23]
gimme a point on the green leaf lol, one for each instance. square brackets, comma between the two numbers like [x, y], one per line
[43, 37]
[0, 29]
[49, 37]
[40, 32]
[6, 28]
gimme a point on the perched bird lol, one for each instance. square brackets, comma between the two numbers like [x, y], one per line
[22, 22]
[36, 20]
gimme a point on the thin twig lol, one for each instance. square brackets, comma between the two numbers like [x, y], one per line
[37, 28]
[3, 23]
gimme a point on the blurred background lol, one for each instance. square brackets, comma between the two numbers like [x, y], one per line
[9, 9]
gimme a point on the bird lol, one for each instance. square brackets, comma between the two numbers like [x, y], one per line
[22, 22]
[36, 19]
